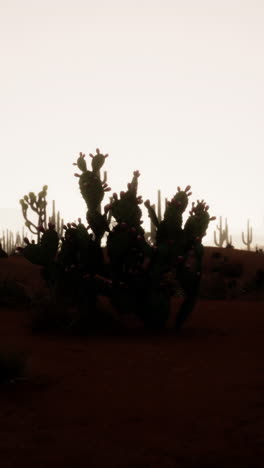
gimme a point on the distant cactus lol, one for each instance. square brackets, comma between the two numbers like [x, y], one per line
[223, 234]
[248, 240]
[55, 219]
[38, 204]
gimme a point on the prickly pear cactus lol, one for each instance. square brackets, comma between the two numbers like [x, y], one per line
[127, 236]
[178, 249]
[44, 252]
[93, 189]
[79, 250]
[128, 250]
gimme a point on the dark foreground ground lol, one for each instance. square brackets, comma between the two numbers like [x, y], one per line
[195, 399]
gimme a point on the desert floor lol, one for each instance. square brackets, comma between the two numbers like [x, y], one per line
[195, 399]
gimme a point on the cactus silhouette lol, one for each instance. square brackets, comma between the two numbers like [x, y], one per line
[38, 205]
[141, 278]
[178, 249]
[93, 189]
[223, 234]
[247, 240]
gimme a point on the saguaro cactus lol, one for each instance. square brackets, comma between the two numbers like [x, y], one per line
[223, 234]
[55, 219]
[247, 241]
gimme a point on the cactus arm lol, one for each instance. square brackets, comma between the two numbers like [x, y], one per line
[152, 213]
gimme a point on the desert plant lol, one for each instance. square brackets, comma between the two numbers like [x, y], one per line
[247, 240]
[128, 251]
[38, 205]
[223, 234]
[180, 250]
[93, 189]
[141, 278]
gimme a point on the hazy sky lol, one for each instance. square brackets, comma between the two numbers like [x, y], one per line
[173, 88]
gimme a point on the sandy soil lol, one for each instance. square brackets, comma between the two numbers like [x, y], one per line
[195, 399]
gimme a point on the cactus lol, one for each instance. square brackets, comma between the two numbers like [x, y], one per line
[55, 219]
[223, 234]
[141, 278]
[38, 204]
[44, 252]
[93, 189]
[155, 219]
[247, 241]
[179, 250]
[127, 250]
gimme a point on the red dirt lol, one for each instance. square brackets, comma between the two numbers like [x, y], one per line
[195, 399]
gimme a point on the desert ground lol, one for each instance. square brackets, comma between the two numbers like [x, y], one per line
[191, 399]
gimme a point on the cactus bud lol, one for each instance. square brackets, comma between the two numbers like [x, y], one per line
[187, 188]
[97, 151]
[115, 197]
[136, 173]
[122, 194]
[147, 203]
[76, 175]
[107, 208]
[26, 241]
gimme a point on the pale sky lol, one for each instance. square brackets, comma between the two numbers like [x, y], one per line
[173, 88]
